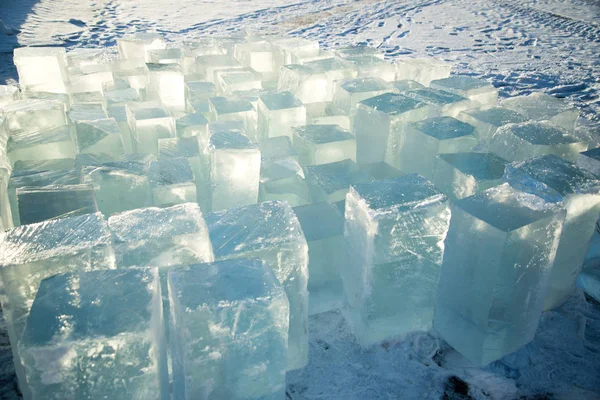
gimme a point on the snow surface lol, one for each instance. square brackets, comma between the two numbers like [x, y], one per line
[520, 46]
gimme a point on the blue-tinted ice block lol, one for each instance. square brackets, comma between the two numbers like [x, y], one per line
[194, 124]
[323, 144]
[349, 93]
[590, 161]
[232, 109]
[229, 322]
[149, 121]
[330, 182]
[283, 180]
[487, 120]
[544, 107]
[379, 123]
[578, 191]
[461, 175]
[97, 334]
[278, 113]
[102, 136]
[518, 142]
[34, 252]
[498, 253]
[440, 102]
[41, 145]
[423, 141]
[172, 181]
[394, 232]
[323, 228]
[270, 231]
[380, 170]
[479, 91]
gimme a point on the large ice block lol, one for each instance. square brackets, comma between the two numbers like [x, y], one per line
[330, 182]
[86, 112]
[379, 123]
[349, 93]
[518, 142]
[200, 90]
[102, 136]
[208, 65]
[120, 185]
[283, 180]
[229, 331]
[405, 85]
[52, 143]
[291, 47]
[323, 144]
[578, 191]
[133, 71]
[423, 141]
[422, 70]
[393, 235]
[461, 175]
[8, 94]
[440, 102]
[233, 109]
[34, 252]
[544, 107]
[238, 79]
[149, 121]
[138, 45]
[590, 161]
[171, 55]
[270, 231]
[380, 170]
[368, 66]
[277, 148]
[80, 56]
[24, 115]
[90, 78]
[97, 334]
[278, 113]
[259, 55]
[172, 181]
[498, 252]
[479, 91]
[487, 120]
[327, 113]
[323, 228]
[42, 67]
[193, 125]
[166, 85]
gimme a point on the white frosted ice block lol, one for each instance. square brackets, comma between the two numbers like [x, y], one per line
[53, 143]
[138, 45]
[172, 182]
[37, 204]
[238, 79]
[544, 107]
[349, 93]
[102, 136]
[44, 68]
[326, 113]
[422, 70]
[34, 114]
[323, 144]
[105, 324]
[423, 141]
[149, 121]
[330, 182]
[393, 233]
[278, 113]
[166, 84]
[518, 142]
[357, 51]
[461, 175]
[294, 47]
[277, 148]
[487, 120]
[8, 94]
[578, 191]
[90, 78]
[323, 228]
[440, 102]
[233, 109]
[368, 66]
[229, 331]
[208, 65]
[283, 180]
[120, 185]
[172, 55]
[133, 71]
[590, 161]
[270, 231]
[490, 296]
[234, 169]
[34, 252]
[479, 91]
[380, 170]
[379, 122]
[589, 281]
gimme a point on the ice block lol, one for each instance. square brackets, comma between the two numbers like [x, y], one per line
[44, 68]
[351, 92]
[149, 121]
[171, 55]
[323, 144]
[278, 113]
[290, 47]
[277, 148]
[330, 182]
[327, 113]
[138, 45]
[422, 70]
[479, 91]
[357, 51]
[133, 71]
[487, 120]
[8, 94]
[90, 78]
[440, 102]
[544, 107]
[589, 281]
[172, 182]
[380, 170]
[232, 109]
[166, 84]
[259, 55]
[102, 136]
[239, 79]
[79, 57]
[590, 161]
[283, 180]
[369, 66]
[193, 125]
[52, 143]
[34, 114]
[208, 65]
[405, 85]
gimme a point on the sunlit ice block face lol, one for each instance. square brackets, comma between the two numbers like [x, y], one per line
[44, 68]
[544, 107]
[8, 94]
[172, 181]
[327, 113]
[373, 67]
[490, 295]
[229, 109]
[208, 65]
[149, 121]
[283, 180]
[167, 85]
[34, 114]
[422, 70]
[53, 143]
[351, 92]
[322, 144]
[239, 79]
[291, 48]
[101, 136]
[278, 113]
[440, 102]
[479, 91]
[88, 78]
[137, 46]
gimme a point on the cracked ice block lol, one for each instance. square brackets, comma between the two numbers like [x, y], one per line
[323, 144]
[102, 136]
[229, 330]
[578, 191]
[393, 233]
[166, 85]
[349, 93]
[326, 113]
[149, 121]
[544, 107]
[278, 113]
[120, 185]
[34, 114]
[323, 228]
[423, 141]
[106, 325]
[498, 252]
[42, 67]
[479, 91]
[239, 79]
[37, 204]
[32, 253]
[487, 120]
[518, 142]
[461, 175]
[590, 161]
[330, 182]
[234, 169]
[231, 109]
[277, 148]
[138, 45]
[271, 232]
[172, 182]
[440, 102]
[8, 94]
[283, 180]
[357, 51]
[53, 143]
[373, 67]
[422, 70]
[379, 122]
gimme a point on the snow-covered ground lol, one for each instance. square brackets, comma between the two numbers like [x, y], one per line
[521, 46]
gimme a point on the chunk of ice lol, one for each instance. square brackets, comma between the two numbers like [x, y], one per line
[277, 148]
[230, 109]
[368, 66]
[278, 113]
[487, 120]
[42, 67]
[23, 115]
[323, 144]
[238, 79]
[422, 70]
[349, 93]
[440, 102]
[260, 56]
[590, 161]
[6, 219]
[327, 113]
[544, 107]
[405, 85]
[291, 47]
[172, 55]
[479, 91]
[149, 121]
[138, 45]
[102, 136]
[8, 94]
[193, 125]
[53, 143]
[172, 182]
[90, 78]
[283, 180]
[208, 65]
[166, 84]
[589, 281]
[357, 51]
[380, 170]
[134, 72]
[330, 182]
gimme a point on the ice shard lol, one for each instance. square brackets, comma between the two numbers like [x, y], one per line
[323, 144]
[479, 91]
[278, 113]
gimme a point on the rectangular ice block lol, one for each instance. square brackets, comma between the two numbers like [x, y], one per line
[479, 91]
[283, 180]
[323, 228]
[330, 182]
[544, 107]
[133, 71]
[42, 67]
[200, 90]
[380, 170]
[172, 55]
[277, 148]
[278, 113]
[299, 57]
[423, 141]
[28, 115]
[405, 85]
[149, 121]
[487, 120]
[52, 143]
[290, 47]
[172, 182]
[90, 78]
[229, 331]
[440, 102]
[166, 85]
[193, 125]
[238, 79]
[259, 55]
[394, 231]
[590, 161]
[368, 66]
[79, 57]
[6, 220]
[271, 232]
[208, 65]
[101, 136]
[138, 45]
[422, 70]
[578, 191]
[518, 142]
[233, 109]
[323, 144]
[327, 113]
[351, 92]
[106, 325]
[498, 252]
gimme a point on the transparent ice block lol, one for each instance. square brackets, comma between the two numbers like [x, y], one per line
[479, 91]
[149, 121]
[487, 120]
[544, 107]
[278, 113]
[172, 182]
[422, 70]
[34, 114]
[138, 45]
[44, 68]
[327, 113]
[238, 79]
[193, 125]
[8, 94]
[440, 102]
[283, 180]
[52, 143]
[380, 170]
[368, 66]
[102, 136]
[590, 161]
[349, 93]
[330, 182]
[166, 85]
[232, 109]
[323, 144]
[277, 148]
